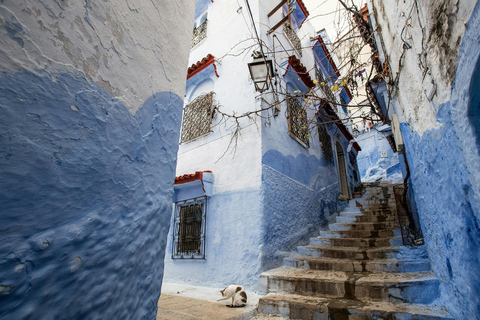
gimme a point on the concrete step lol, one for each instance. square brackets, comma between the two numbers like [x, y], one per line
[363, 226]
[364, 253]
[392, 287]
[361, 234]
[316, 308]
[350, 265]
[357, 242]
[363, 218]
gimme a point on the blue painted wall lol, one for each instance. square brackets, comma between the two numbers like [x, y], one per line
[448, 217]
[300, 190]
[232, 244]
[293, 211]
[85, 201]
[370, 163]
[444, 167]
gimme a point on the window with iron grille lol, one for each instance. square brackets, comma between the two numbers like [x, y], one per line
[324, 85]
[189, 229]
[292, 37]
[199, 33]
[297, 121]
[197, 117]
[325, 142]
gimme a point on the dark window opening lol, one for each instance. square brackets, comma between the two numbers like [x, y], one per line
[189, 229]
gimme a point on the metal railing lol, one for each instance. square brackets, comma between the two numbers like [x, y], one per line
[407, 215]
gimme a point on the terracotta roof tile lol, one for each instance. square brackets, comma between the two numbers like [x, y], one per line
[200, 65]
[198, 175]
[301, 71]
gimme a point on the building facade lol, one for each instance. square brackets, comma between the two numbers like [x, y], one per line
[276, 173]
[434, 81]
[91, 103]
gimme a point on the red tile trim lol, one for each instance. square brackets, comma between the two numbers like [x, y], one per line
[198, 175]
[200, 65]
[300, 70]
[329, 57]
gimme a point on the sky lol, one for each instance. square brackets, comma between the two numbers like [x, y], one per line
[325, 14]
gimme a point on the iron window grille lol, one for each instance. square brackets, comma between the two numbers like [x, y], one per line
[325, 142]
[189, 229]
[297, 121]
[292, 37]
[324, 85]
[199, 33]
[197, 117]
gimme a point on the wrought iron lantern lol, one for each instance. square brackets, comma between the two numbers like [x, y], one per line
[261, 71]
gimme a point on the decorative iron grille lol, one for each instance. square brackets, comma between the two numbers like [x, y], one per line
[189, 229]
[297, 121]
[197, 117]
[325, 87]
[325, 142]
[407, 215]
[293, 38]
[199, 33]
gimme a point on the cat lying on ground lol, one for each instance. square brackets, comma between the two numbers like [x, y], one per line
[238, 295]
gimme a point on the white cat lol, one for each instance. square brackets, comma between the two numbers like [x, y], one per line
[238, 295]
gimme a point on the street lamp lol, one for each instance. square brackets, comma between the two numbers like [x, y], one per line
[261, 70]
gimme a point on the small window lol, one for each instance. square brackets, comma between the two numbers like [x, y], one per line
[297, 121]
[298, 12]
[325, 142]
[189, 229]
[197, 117]
[200, 31]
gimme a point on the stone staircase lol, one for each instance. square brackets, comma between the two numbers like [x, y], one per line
[358, 269]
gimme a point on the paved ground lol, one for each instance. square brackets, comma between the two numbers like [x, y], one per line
[180, 302]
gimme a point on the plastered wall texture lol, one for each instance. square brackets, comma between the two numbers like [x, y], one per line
[232, 247]
[444, 163]
[247, 230]
[434, 33]
[87, 165]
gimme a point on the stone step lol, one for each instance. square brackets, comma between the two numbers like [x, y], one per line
[416, 288]
[364, 253]
[363, 218]
[357, 242]
[363, 226]
[347, 265]
[368, 212]
[361, 234]
[316, 308]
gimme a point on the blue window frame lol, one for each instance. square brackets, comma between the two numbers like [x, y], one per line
[298, 13]
[323, 63]
[344, 99]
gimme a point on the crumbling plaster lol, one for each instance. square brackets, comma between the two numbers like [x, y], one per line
[421, 47]
[121, 47]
